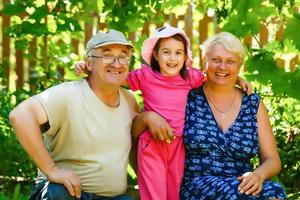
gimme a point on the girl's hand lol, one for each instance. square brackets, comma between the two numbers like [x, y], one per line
[245, 85]
[251, 183]
[79, 68]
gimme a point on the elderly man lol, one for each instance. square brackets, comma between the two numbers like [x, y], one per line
[87, 141]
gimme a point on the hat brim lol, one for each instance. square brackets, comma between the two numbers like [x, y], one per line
[110, 43]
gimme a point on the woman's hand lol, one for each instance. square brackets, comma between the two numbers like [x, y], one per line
[251, 183]
[79, 68]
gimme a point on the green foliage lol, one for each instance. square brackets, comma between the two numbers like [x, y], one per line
[53, 21]
[286, 119]
[16, 194]
[292, 27]
[14, 161]
[262, 67]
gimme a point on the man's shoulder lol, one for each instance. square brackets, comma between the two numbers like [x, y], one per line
[130, 99]
[127, 94]
[68, 85]
[61, 89]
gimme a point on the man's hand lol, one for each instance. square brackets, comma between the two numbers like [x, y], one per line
[159, 127]
[67, 178]
[156, 124]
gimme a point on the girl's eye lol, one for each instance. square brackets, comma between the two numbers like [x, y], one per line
[230, 62]
[179, 53]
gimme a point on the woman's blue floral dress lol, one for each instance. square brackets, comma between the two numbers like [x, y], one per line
[214, 158]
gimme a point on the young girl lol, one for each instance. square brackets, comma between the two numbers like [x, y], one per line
[164, 82]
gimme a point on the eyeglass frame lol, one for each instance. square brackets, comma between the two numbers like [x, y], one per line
[112, 58]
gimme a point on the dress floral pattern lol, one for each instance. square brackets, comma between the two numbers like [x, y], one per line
[214, 158]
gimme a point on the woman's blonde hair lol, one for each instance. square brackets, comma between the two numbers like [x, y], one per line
[228, 40]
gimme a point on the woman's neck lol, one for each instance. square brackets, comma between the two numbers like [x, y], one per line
[220, 91]
[223, 101]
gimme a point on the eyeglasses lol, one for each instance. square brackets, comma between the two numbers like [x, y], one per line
[112, 59]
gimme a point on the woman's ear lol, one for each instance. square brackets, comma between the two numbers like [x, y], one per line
[205, 63]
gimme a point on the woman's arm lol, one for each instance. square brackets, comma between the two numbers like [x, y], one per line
[269, 159]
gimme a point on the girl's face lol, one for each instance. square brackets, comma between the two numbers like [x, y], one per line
[170, 56]
[222, 66]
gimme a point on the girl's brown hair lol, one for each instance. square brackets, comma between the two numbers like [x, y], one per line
[154, 63]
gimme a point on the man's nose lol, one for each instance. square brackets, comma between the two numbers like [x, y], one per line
[116, 63]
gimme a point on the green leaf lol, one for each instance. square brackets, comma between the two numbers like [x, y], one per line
[278, 3]
[39, 13]
[13, 9]
[292, 28]
[244, 17]
[36, 29]
[262, 68]
[241, 27]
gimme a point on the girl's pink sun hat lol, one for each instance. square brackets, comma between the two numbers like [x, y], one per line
[164, 32]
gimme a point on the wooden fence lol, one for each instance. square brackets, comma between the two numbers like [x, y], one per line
[18, 67]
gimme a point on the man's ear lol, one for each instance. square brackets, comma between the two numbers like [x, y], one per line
[88, 65]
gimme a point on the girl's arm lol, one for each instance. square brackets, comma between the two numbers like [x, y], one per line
[251, 182]
[80, 69]
[245, 85]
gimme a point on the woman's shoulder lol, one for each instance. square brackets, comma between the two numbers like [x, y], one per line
[196, 92]
[251, 100]
[254, 97]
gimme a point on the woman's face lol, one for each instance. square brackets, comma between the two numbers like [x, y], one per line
[222, 66]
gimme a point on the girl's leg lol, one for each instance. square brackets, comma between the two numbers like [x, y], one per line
[176, 154]
[151, 169]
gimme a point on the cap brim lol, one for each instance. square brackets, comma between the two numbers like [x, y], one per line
[113, 42]
[109, 43]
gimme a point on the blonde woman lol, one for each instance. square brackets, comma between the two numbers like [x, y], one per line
[224, 129]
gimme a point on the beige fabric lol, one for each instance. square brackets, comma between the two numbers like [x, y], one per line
[88, 137]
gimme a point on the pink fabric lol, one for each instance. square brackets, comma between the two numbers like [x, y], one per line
[165, 95]
[160, 165]
[160, 168]
[165, 32]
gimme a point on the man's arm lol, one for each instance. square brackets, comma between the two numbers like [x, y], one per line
[25, 120]
[157, 126]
